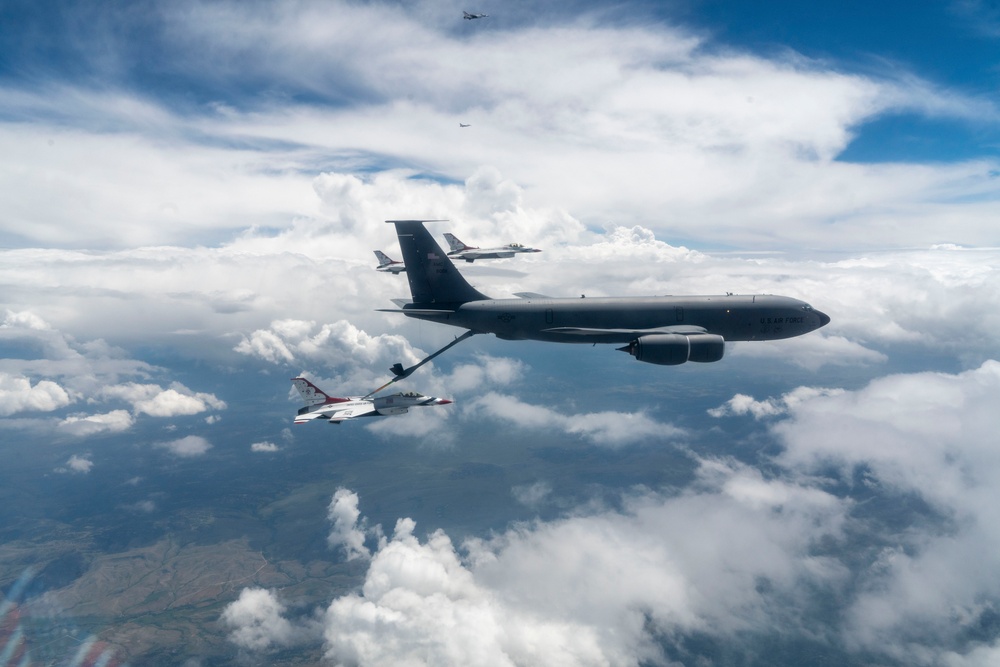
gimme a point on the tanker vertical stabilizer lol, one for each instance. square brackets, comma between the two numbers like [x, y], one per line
[434, 280]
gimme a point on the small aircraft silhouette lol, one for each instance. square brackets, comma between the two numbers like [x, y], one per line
[465, 125]
[468, 17]
[386, 264]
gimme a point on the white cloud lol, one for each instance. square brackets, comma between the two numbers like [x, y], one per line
[263, 447]
[811, 352]
[741, 404]
[610, 429]
[930, 436]
[18, 395]
[83, 425]
[347, 533]
[186, 447]
[256, 620]
[170, 403]
[486, 371]
[24, 319]
[650, 571]
[735, 554]
[357, 355]
[154, 400]
[91, 369]
[76, 464]
[428, 423]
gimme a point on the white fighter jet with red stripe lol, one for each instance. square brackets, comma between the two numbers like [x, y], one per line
[470, 253]
[335, 410]
[387, 264]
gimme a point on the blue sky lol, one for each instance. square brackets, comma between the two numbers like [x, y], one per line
[192, 192]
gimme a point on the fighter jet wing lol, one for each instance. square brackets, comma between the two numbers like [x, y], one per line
[683, 329]
[339, 414]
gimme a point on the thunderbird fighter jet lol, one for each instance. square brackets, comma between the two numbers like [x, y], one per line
[470, 253]
[335, 410]
[388, 265]
[468, 17]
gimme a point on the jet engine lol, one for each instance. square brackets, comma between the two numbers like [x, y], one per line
[674, 349]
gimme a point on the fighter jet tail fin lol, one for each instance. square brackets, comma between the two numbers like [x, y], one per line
[455, 243]
[313, 395]
[432, 276]
[383, 259]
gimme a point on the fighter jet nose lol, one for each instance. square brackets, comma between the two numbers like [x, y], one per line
[444, 401]
[824, 319]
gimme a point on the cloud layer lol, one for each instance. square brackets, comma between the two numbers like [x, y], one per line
[734, 555]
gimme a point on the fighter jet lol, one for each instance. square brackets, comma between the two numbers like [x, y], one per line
[471, 253]
[335, 410]
[386, 264]
[664, 330]
[465, 125]
[468, 17]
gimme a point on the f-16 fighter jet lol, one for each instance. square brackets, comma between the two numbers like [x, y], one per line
[468, 17]
[471, 253]
[664, 330]
[335, 410]
[388, 265]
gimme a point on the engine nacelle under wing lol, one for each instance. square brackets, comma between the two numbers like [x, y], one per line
[674, 349]
[392, 411]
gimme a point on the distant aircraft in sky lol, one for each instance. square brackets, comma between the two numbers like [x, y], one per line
[470, 253]
[465, 125]
[386, 264]
[335, 410]
[468, 17]
[664, 330]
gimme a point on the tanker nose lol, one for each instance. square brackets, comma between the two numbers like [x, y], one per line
[824, 319]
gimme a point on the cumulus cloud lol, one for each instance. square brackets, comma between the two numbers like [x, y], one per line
[516, 598]
[90, 370]
[83, 425]
[354, 353]
[17, 394]
[154, 400]
[428, 424]
[610, 429]
[264, 446]
[733, 555]
[256, 620]
[347, 533]
[924, 435]
[187, 447]
[741, 404]
[171, 403]
[77, 464]
[487, 371]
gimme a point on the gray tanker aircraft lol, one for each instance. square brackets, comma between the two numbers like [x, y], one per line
[665, 330]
